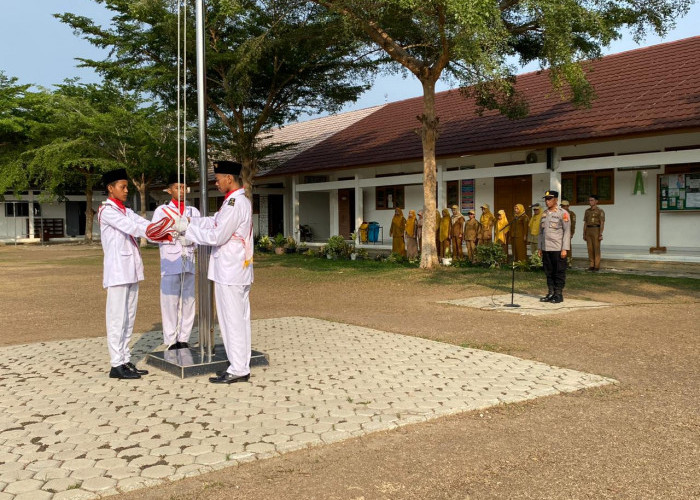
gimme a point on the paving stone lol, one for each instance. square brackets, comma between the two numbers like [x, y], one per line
[98, 484]
[34, 495]
[158, 471]
[23, 486]
[61, 484]
[75, 495]
[88, 473]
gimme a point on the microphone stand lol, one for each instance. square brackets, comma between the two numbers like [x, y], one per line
[512, 266]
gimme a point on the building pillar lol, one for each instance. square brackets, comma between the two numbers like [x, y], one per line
[553, 162]
[295, 209]
[333, 207]
[359, 209]
[441, 191]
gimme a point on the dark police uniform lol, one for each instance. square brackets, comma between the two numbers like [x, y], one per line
[555, 236]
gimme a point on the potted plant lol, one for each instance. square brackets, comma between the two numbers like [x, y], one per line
[290, 245]
[264, 244]
[280, 241]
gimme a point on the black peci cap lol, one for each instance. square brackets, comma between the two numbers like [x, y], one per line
[227, 167]
[113, 176]
[173, 178]
[594, 196]
[551, 194]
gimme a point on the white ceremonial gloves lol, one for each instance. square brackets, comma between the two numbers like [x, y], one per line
[184, 241]
[181, 224]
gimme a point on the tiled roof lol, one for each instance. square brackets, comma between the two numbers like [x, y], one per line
[304, 135]
[652, 89]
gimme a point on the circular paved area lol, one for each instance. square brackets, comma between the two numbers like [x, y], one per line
[68, 431]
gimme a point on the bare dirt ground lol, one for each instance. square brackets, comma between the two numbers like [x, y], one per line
[637, 439]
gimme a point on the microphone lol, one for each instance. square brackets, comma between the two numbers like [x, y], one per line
[534, 205]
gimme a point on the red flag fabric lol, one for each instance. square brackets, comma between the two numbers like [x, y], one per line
[161, 230]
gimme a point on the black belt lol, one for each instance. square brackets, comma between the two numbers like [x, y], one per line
[593, 226]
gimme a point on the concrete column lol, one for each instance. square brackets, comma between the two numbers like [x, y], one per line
[295, 209]
[359, 208]
[554, 174]
[333, 207]
[441, 191]
[30, 213]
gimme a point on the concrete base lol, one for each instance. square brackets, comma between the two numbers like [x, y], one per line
[189, 363]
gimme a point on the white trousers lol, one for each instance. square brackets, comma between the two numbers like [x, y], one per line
[233, 311]
[174, 330]
[120, 314]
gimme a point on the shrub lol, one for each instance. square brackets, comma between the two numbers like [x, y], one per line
[290, 244]
[280, 240]
[338, 248]
[490, 255]
[264, 244]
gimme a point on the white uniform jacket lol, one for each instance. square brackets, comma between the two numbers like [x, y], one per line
[171, 252]
[122, 257]
[230, 231]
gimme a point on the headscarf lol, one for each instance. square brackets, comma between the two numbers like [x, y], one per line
[411, 224]
[486, 218]
[457, 215]
[519, 209]
[398, 222]
[501, 229]
[535, 222]
[445, 224]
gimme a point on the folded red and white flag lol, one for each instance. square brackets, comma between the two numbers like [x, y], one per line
[161, 230]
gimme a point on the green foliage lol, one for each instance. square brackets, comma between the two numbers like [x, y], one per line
[290, 244]
[264, 244]
[490, 255]
[337, 248]
[535, 261]
[280, 240]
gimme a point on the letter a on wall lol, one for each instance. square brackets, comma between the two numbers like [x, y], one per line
[639, 183]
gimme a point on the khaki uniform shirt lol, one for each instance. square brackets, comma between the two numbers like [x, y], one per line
[471, 230]
[555, 231]
[593, 217]
[573, 222]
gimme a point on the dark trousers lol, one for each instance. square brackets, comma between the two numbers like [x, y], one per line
[555, 270]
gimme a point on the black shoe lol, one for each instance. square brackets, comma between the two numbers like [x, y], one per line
[183, 345]
[122, 372]
[556, 299]
[547, 297]
[132, 367]
[591, 269]
[176, 345]
[227, 378]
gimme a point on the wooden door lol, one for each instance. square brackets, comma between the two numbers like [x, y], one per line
[508, 191]
[346, 212]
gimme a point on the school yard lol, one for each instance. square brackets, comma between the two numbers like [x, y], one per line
[636, 438]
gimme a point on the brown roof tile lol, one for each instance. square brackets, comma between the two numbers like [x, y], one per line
[651, 89]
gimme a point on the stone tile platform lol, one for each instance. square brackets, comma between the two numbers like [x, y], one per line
[529, 304]
[67, 431]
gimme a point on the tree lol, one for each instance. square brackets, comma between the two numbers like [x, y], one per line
[268, 61]
[473, 42]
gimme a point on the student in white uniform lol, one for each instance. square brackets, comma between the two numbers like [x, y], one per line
[177, 269]
[230, 233]
[123, 269]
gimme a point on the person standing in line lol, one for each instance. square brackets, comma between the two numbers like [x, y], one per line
[486, 222]
[444, 232]
[554, 244]
[572, 215]
[534, 226]
[123, 269]
[593, 225]
[419, 229]
[230, 233]
[502, 229]
[457, 232]
[471, 233]
[177, 269]
[411, 234]
[396, 231]
[518, 234]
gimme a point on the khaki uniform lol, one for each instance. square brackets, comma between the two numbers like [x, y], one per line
[573, 230]
[471, 233]
[457, 231]
[486, 222]
[534, 232]
[593, 224]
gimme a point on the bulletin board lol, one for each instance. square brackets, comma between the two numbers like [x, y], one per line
[467, 196]
[679, 192]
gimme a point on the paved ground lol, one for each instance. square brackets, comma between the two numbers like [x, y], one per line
[68, 431]
[528, 304]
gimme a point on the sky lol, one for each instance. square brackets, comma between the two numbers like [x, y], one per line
[37, 48]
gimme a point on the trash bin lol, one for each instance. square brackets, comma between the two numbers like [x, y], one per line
[373, 232]
[364, 228]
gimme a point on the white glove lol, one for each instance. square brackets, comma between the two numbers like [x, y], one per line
[184, 241]
[180, 225]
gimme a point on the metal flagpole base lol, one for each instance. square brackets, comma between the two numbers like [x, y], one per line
[511, 305]
[190, 363]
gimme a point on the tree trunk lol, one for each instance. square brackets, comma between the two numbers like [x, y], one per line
[89, 214]
[247, 176]
[429, 133]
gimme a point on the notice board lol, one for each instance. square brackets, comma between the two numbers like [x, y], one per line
[679, 192]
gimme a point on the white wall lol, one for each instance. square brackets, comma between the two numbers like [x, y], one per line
[314, 212]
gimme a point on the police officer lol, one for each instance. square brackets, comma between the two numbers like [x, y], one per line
[230, 232]
[177, 302]
[565, 205]
[554, 244]
[593, 225]
[123, 269]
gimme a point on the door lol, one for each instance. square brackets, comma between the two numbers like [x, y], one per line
[275, 215]
[508, 191]
[346, 212]
[75, 218]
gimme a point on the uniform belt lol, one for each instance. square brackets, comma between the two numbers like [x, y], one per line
[597, 225]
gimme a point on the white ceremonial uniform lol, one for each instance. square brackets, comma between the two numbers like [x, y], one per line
[177, 269]
[123, 269]
[230, 233]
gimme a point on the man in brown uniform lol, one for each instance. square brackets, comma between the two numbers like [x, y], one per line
[593, 225]
[486, 225]
[457, 232]
[572, 215]
[471, 233]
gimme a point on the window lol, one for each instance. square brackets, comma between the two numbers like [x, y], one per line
[21, 209]
[452, 193]
[578, 186]
[256, 204]
[389, 197]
